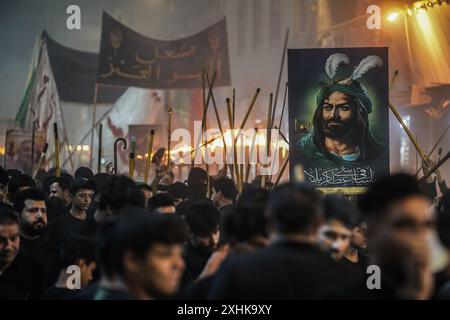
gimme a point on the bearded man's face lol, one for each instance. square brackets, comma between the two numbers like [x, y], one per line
[339, 115]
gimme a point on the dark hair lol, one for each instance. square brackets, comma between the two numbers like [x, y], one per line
[387, 190]
[197, 183]
[105, 247]
[8, 217]
[160, 200]
[63, 182]
[100, 181]
[28, 194]
[369, 147]
[293, 208]
[144, 186]
[202, 219]
[443, 219]
[119, 193]
[80, 184]
[226, 187]
[13, 172]
[19, 181]
[84, 172]
[337, 207]
[137, 231]
[178, 190]
[244, 224]
[4, 178]
[158, 155]
[75, 248]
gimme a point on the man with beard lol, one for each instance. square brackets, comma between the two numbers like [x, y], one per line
[30, 205]
[341, 133]
[20, 277]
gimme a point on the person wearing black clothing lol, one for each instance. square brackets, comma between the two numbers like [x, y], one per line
[224, 194]
[399, 223]
[244, 231]
[336, 231]
[32, 210]
[197, 190]
[178, 190]
[77, 264]
[81, 192]
[17, 183]
[203, 222]
[21, 278]
[143, 256]
[292, 266]
[118, 193]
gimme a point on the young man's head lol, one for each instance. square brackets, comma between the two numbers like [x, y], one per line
[396, 204]
[197, 183]
[78, 251]
[336, 232]
[295, 210]
[203, 222]
[149, 252]
[32, 210]
[59, 190]
[81, 193]
[119, 193]
[178, 190]
[18, 183]
[224, 192]
[161, 203]
[4, 178]
[9, 236]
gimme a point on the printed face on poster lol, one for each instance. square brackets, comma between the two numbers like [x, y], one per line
[18, 148]
[339, 116]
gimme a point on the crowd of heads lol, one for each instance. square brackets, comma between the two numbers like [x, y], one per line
[132, 240]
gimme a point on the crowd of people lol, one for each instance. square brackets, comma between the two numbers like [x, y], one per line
[107, 237]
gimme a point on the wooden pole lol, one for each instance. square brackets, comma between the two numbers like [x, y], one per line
[286, 161]
[252, 150]
[100, 146]
[55, 133]
[436, 167]
[94, 110]
[33, 141]
[169, 133]
[283, 56]
[131, 162]
[149, 155]
[41, 160]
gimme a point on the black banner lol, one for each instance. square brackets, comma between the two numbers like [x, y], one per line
[130, 59]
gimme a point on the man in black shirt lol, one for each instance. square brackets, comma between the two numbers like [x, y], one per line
[81, 192]
[203, 222]
[31, 207]
[77, 264]
[224, 194]
[21, 278]
[292, 266]
[4, 178]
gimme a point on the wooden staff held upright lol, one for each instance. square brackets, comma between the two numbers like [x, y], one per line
[55, 133]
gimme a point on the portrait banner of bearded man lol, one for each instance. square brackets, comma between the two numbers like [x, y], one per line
[337, 146]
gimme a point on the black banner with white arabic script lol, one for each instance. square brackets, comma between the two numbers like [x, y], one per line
[130, 59]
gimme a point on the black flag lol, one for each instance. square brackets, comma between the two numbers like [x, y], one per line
[130, 59]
